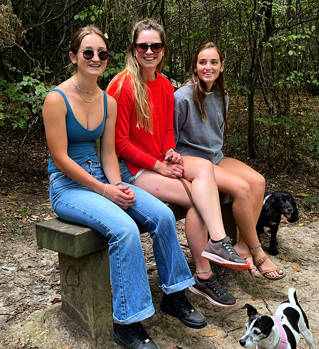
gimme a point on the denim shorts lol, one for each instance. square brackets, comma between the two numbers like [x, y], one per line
[127, 175]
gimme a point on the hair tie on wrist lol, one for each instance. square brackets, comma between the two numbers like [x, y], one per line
[118, 183]
[106, 184]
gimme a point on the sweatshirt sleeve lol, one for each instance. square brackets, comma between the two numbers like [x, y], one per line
[169, 139]
[125, 148]
[180, 114]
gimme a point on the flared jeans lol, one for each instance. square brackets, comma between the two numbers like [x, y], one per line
[132, 300]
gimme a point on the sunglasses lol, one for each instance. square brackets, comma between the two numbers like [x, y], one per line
[89, 54]
[156, 47]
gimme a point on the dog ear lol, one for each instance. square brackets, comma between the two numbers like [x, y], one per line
[266, 324]
[251, 311]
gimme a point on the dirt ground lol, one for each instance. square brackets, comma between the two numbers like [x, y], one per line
[31, 318]
[30, 314]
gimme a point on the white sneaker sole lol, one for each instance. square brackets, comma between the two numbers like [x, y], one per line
[211, 300]
[225, 263]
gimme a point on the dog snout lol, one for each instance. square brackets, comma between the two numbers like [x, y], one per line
[242, 342]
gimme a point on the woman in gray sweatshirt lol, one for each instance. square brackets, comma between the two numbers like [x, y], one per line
[199, 120]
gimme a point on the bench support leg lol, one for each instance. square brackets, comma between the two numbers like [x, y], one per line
[86, 292]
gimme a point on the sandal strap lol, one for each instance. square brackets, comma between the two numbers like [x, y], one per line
[261, 260]
[259, 263]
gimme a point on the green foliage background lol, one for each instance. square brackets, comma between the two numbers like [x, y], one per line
[271, 51]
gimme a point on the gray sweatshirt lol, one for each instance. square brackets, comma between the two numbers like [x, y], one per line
[194, 137]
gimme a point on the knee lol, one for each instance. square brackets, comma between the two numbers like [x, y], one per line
[203, 169]
[165, 214]
[127, 233]
[260, 183]
[243, 191]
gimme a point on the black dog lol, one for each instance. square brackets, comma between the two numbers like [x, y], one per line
[276, 204]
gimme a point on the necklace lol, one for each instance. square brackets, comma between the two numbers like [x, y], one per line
[86, 100]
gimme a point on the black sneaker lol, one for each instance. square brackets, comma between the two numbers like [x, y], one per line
[213, 291]
[223, 253]
[176, 304]
[133, 336]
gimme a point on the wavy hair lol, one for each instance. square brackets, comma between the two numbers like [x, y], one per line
[135, 72]
[199, 92]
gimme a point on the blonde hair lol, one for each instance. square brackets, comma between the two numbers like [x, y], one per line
[134, 71]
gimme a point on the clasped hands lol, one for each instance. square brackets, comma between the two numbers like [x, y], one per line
[121, 195]
[172, 166]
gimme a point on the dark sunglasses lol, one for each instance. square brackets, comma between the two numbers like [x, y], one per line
[156, 47]
[89, 54]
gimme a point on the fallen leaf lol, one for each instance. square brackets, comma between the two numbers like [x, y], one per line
[211, 332]
[12, 197]
[302, 195]
[253, 298]
[284, 258]
[296, 266]
[300, 224]
[56, 300]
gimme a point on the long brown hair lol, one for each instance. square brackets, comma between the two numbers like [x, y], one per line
[199, 87]
[133, 69]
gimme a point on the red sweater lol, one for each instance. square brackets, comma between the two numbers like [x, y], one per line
[139, 148]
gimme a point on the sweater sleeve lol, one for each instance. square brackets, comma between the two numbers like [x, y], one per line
[180, 114]
[169, 139]
[125, 148]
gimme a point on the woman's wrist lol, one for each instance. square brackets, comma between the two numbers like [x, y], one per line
[170, 150]
[104, 190]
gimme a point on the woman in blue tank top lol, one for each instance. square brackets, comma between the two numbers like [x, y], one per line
[86, 191]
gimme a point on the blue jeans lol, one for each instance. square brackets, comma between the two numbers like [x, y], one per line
[132, 300]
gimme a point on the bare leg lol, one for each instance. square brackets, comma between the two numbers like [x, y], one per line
[172, 190]
[246, 186]
[200, 173]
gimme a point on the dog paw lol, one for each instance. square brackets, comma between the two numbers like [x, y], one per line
[273, 251]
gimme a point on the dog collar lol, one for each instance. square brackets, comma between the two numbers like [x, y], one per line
[266, 198]
[282, 344]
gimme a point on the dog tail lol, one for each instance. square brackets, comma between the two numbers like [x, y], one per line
[292, 296]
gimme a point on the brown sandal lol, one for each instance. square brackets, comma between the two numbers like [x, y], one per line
[265, 272]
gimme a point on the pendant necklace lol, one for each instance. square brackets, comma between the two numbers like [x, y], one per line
[86, 100]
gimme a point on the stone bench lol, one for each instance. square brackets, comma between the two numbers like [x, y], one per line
[84, 268]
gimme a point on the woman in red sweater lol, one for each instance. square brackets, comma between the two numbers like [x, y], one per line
[146, 146]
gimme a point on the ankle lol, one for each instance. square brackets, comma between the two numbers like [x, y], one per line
[218, 240]
[255, 247]
[204, 275]
[203, 279]
[172, 296]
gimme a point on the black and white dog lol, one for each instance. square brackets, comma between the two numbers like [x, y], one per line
[276, 204]
[281, 331]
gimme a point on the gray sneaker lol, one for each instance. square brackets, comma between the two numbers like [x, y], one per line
[213, 291]
[223, 253]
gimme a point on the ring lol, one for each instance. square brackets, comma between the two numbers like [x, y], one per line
[176, 173]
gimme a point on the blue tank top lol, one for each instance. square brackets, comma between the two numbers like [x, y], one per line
[81, 141]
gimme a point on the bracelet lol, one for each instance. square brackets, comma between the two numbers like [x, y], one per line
[202, 272]
[106, 184]
[154, 167]
[170, 150]
[118, 183]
